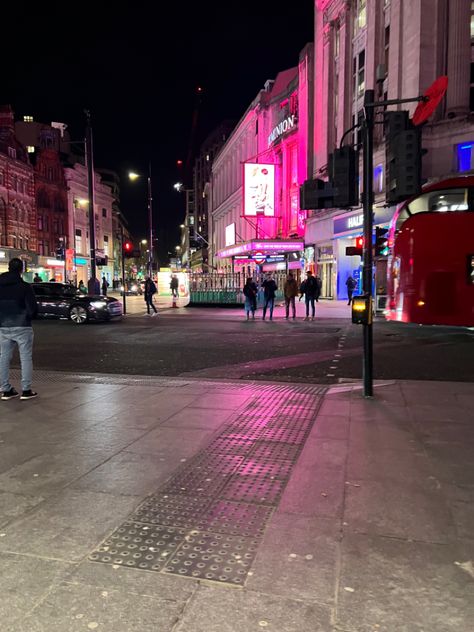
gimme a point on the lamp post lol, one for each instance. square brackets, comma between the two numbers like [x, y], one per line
[134, 176]
[93, 284]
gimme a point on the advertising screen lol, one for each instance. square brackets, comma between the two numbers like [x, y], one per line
[259, 190]
[230, 235]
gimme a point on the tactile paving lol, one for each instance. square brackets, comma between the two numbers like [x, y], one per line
[254, 489]
[235, 518]
[140, 546]
[175, 510]
[207, 520]
[214, 556]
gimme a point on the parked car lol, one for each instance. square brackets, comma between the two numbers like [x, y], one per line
[59, 300]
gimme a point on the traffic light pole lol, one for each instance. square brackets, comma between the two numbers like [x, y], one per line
[123, 271]
[368, 196]
[90, 182]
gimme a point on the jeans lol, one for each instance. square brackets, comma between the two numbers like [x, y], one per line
[149, 303]
[269, 302]
[23, 337]
[290, 301]
[309, 300]
[349, 296]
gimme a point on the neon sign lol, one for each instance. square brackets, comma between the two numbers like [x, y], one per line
[259, 189]
[283, 127]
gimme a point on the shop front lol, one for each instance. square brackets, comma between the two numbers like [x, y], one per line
[265, 255]
[29, 259]
[346, 229]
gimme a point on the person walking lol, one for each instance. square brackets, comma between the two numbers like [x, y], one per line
[250, 292]
[269, 291]
[290, 290]
[17, 307]
[311, 290]
[351, 286]
[150, 290]
[37, 279]
[105, 285]
[174, 284]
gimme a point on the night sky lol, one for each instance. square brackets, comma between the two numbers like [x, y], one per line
[137, 69]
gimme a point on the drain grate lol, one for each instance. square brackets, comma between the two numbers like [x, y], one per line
[207, 520]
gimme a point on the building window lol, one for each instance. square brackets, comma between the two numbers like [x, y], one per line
[360, 16]
[30, 149]
[28, 119]
[46, 223]
[21, 186]
[358, 75]
[14, 183]
[386, 48]
[337, 42]
[465, 157]
[55, 226]
[78, 240]
[106, 245]
[378, 178]
[472, 20]
[12, 152]
[50, 173]
[104, 212]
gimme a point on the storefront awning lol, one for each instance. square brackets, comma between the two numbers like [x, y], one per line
[264, 246]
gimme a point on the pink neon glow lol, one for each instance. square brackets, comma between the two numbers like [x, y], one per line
[261, 246]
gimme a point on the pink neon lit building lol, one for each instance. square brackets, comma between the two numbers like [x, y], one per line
[273, 135]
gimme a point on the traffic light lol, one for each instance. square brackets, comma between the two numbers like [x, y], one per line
[60, 250]
[127, 249]
[403, 154]
[316, 194]
[344, 167]
[381, 241]
[357, 250]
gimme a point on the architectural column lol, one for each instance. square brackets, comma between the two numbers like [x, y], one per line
[459, 57]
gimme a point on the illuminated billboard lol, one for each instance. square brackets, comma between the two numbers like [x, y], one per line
[259, 190]
[230, 235]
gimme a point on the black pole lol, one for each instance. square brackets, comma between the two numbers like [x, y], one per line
[150, 223]
[123, 271]
[368, 229]
[90, 183]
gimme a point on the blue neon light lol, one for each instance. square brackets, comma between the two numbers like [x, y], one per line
[464, 157]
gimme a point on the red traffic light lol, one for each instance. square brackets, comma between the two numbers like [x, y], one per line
[128, 246]
[359, 242]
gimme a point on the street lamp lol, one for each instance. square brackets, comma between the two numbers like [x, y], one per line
[135, 176]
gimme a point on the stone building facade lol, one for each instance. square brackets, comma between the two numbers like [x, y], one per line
[18, 234]
[396, 48]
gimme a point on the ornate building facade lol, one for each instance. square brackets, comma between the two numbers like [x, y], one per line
[18, 234]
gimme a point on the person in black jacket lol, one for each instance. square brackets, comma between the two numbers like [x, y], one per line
[311, 289]
[17, 307]
[269, 291]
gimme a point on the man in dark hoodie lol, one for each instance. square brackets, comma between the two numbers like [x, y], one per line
[17, 307]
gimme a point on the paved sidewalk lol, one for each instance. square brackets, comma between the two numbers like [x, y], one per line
[176, 505]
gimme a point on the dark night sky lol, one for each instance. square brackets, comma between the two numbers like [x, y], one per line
[136, 65]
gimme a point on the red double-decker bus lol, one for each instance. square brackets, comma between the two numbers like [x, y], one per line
[431, 261]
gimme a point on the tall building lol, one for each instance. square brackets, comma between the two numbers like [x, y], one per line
[18, 233]
[396, 48]
[197, 204]
[257, 223]
[51, 205]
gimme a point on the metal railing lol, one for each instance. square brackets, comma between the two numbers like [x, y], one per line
[225, 288]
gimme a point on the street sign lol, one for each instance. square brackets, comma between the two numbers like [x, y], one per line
[432, 99]
[259, 258]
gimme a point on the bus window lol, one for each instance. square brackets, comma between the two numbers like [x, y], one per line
[470, 269]
[439, 201]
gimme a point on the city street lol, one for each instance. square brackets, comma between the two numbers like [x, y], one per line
[219, 343]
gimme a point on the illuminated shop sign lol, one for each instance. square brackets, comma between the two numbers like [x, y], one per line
[3, 254]
[259, 189]
[266, 247]
[354, 222]
[230, 235]
[285, 126]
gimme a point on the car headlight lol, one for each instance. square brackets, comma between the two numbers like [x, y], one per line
[98, 304]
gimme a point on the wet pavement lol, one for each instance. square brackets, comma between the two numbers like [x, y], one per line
[196, 505]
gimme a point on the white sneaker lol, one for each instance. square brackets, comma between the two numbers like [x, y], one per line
[155, 314]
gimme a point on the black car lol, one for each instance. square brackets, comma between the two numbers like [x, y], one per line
[63, 301]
